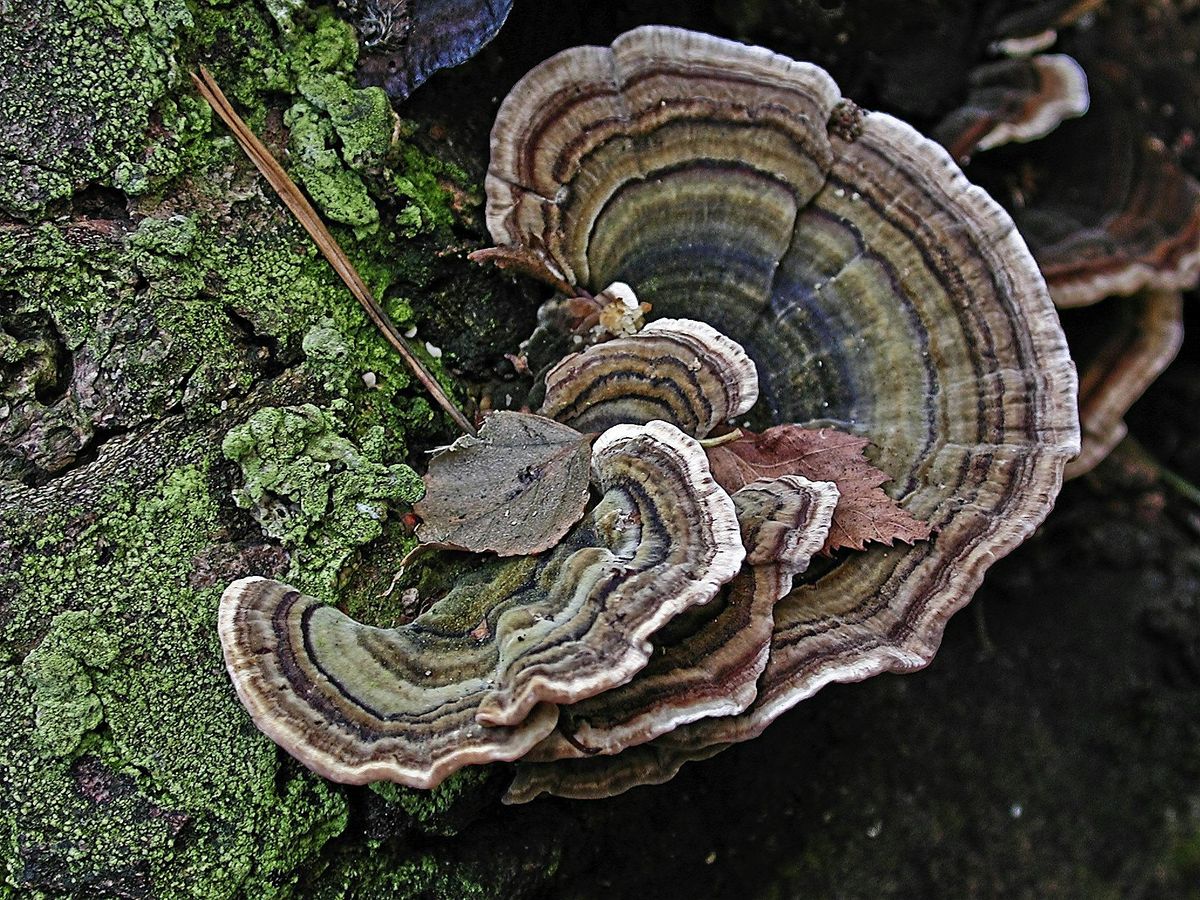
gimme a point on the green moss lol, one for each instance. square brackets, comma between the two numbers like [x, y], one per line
[161, 250]
[337, 130]
[434, 810]
[433, 188]
[1184, 861]
[81, 95]
[427, 876]
[313, 490]
[238, 45]
[167, 744]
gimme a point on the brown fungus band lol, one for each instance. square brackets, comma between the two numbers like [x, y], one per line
[474, 678]
[1106, 202]
[874, 288]
[1141, 336]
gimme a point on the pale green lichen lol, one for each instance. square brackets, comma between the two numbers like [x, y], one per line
[337, 191]
[337, 130]
[362, 118]
[77, 643]
[166, 745]
[80, 99]
[315, 491]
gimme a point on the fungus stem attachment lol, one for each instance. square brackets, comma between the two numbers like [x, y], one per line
[295, 201]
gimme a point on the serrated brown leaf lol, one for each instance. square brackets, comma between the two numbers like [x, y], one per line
[864, 511]
[514, 490]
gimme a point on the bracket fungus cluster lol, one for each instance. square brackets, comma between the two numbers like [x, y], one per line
[473, 679]
[816, 266]
[1105, 201]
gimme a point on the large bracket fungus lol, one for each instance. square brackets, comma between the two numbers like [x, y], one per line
[847, 276]
[873, 287]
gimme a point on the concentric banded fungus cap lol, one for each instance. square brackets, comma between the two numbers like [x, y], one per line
[410, 704]
[708, 659]
[1015, 100]
[874, 288]
[677, 370]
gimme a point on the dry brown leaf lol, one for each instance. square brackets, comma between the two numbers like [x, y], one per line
[863, 513]
[514, 490]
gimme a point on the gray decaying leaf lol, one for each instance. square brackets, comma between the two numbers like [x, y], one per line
[516, 489]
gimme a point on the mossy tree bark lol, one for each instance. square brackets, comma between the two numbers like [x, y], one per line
[163, 323]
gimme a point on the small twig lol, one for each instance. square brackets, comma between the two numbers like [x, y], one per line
[290, 194]
[727, 438]
[987, 649]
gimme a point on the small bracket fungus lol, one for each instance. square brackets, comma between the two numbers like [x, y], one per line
[872, 286]
[414, 703]
[1034, 27]
[1015, 100]
[677, 370]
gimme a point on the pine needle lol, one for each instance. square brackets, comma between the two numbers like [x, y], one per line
[290, 194]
